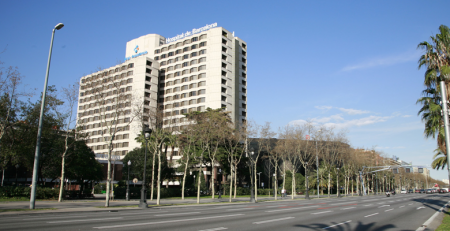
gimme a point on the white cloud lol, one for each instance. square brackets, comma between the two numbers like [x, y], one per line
[339, 122]
[324, 107]
[386, 61]
[353, 111]
[406, 116]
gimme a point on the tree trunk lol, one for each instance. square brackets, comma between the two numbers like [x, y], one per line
[284, 174]
[184, 177]
[198, 186]
[293, 185]
[153, 175]
[158, 197]
[61, 187]
[352, 186]
[329, 183]
[275, 183]
[235, 180]
[256, 184]
[213, 177]
[3, 176]
[231, 179]
[108, 177]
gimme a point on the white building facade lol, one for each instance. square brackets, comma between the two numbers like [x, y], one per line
[199, 69]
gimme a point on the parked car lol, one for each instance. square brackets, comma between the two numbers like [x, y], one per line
[441, 190]
[429, 191]
[446, 189]
[422, 190]
[403, 191]
[410, 191]
[417, 191]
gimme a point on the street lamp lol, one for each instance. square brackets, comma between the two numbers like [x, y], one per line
[384, 185]
[259, 175]
[143, 203]
[128, 181]
[220, 183]
[252, 194]
[41, 120]
[307, 182]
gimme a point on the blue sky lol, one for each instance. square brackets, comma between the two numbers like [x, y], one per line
[350, 64]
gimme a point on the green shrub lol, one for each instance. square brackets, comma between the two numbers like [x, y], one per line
[41, 193]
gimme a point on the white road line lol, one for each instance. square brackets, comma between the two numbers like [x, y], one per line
[381, 203]
[368, 205]
[411, 204]
[53, 222]
[171, 214]
[124, 214]
[342, 203]
[420, 208]
[371, 215]
[279, 219]
[238, 209]
[337, 224]
[280, 210]
[321, 212]
[383, 206]
[214, 229]
[348, 208]
[52, 218]
[402, 206]
[162, 222]
[388, 210]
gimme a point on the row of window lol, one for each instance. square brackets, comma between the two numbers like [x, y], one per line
[177, 89]
[183, 57]
[105, 146]
[176, 74]
[88, 99]
[110, 80]
[105, 139]
[106, 73]
[184, 87]
[184, 64]
[183, 103]
[179, 44]
[108, 123]
[181, 112]
[105, 131]
[105, 102]
[109, 93]
[95, 111]
[106, 116]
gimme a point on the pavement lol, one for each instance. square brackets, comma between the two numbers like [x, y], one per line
[399, 212]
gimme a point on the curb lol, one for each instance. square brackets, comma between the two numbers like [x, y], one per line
[428, 222]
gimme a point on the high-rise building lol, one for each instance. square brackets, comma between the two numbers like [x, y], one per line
[198, 69]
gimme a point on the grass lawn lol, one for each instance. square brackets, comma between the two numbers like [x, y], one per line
[445, 223]
[24, 210]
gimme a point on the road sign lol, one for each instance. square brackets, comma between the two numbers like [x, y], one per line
[135, 180]
[307, 137]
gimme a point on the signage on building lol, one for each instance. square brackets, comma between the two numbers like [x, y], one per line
[189, 33]
[136, 50]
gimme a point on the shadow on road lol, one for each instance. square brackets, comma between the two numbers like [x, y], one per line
[348, 226]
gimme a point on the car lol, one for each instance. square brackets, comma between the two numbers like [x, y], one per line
[403, 191]
[410, 191]
[446, 189]
[441, 190]
[422, 191]
[429, 191]
[417, 191]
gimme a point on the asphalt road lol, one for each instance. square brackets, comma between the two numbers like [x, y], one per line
[399, 212]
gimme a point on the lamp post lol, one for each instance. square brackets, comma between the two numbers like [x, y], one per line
[252, 193]
[128, 181]
[219, 181]
[338, 188]
[41, 120]
[384, 185]
[259, 176]
[17, 168]
[307, 182]
[143, 201]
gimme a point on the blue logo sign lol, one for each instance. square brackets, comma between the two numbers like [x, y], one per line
[136, 49]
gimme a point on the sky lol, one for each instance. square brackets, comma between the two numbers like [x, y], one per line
[347, 64]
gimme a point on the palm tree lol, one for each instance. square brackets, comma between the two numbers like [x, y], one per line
[437, 61]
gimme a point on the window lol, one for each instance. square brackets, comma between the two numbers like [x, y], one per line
[185, 79]
[129, 88]
[202, 44]
[169, 61]
[185, 64]
[192, 101]
[224, 90]
[224, 49]
[203, 36]
[194, 39]
[170, 54]
[179, 44]
[202, 60]
[224, 65]
[244, 105]
[244, 90]
[244, 82]
[156, 58]
[131, 65]
[202, 83]
[177, 73]
[157, 51]
[164, 49]
[244, 46]
[148, 79]
[130, 80]
[201, 92]
[192, 93]
[244, 67]
[186, 41]
[192, 70]
[149, 63]
[130, 73]
[224, 33]
[147, 94]
[176, 89]
[171, 47]
[201, 100]
[203, 67]
[244, 75]
[224, 41]
[224, 98]
[185, 72]
[201, 76]
[185, 49]
[148, 71]
[224, 81]
[193, 54]
[194, 47]
[244, 53]
[168, 91]
[163, 63]
[244, 98]
[244, 60]
[202, 52]
[185, 57]
[178, 66]
[224, 73]
[179, 51]
[224, 57]
[184, 87]
[177, 81]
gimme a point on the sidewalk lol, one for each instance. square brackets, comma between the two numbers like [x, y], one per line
[97, 205]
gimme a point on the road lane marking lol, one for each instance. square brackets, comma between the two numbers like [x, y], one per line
[383, 206]
[124, 214]
[237, 209]
[29, 219]
[368, 205]
[371, 215]
[214, 229]
[348, 208]
[279, 219]
[342, 203]
[280, 210]
[411, 204]
[162, 222]
[322, 212]
[337, 224]
[420, 208]
[402, 206]
[171, 214]
[388, 210]
[53, 222]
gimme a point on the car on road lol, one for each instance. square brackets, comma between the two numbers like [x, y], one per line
[429, 191]
[410, 191]
[446, 189]
[403, 191]
[422, 191]
[417, 191]
[441, 190]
